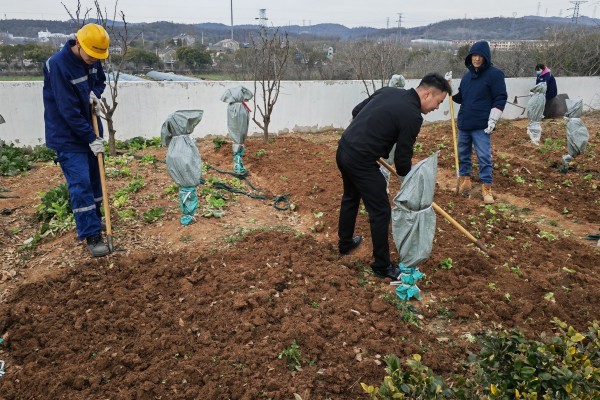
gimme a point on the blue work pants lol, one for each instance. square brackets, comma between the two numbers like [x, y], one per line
[85, 190]
[481, 141]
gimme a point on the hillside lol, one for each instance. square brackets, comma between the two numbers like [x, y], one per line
[456, 29]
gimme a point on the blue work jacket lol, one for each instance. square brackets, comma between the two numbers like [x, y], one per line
[68, 82]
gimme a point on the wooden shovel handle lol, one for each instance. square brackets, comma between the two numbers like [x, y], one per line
[105, 202]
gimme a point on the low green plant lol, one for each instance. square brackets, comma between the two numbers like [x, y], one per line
[407, 311]
[445, 264]
[260, 153]
[148, 159]
[218, 142]
[123, 172]
[519, 179]
[153, 215]
[186, 238]
[133, 187]
[120, 200]
[293, 357]
[547, 235]
[418, 147]
[416, 382]
[42, 153]
[13, 160]
[551, 145]
[173, 189]
[54, 210]
[127, 214]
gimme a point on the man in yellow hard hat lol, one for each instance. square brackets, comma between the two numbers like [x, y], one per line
[73, 82]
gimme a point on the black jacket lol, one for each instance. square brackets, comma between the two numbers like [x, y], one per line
[389, 116]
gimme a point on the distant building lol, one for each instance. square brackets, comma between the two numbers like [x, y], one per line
[46, 36]
[329, 52]
[183, 40]
[503, 45]
[115, 50]
[225, 46]
[168, 57]
[431, 43]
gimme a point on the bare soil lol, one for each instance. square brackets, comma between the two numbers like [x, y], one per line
[204, 311]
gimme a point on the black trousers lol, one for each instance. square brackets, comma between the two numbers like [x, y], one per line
[363, 180]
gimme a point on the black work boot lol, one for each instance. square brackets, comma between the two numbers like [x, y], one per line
[392, 271]
[347, 250]
[96, 246]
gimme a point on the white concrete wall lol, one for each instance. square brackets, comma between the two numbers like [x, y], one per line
[302, 105]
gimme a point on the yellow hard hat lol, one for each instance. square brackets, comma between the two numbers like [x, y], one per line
[94, 40]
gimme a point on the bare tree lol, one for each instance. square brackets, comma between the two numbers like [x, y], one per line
[270, 52]
[118, 39]
[374, 62]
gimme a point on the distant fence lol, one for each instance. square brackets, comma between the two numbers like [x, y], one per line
[303, 106]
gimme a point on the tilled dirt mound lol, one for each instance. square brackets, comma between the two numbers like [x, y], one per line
[204, 311]
[204, 326]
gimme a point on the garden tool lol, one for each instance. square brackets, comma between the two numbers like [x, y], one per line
[444, 214]
[516, 105]
[105, 201]
[515, 100]
[454, 137]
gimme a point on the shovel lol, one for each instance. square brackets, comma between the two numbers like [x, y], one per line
[455, 141]
[105, 202]
[444, 214]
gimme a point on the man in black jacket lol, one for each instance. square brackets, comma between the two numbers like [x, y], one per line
[389, 116]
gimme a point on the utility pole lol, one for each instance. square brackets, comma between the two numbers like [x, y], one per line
[388, 23]
[231, 2]
[399, 25]
[538, 10]
[575, 9]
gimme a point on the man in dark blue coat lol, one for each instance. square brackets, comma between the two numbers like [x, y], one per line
[73, 82]
[389, 117]
[482, 96]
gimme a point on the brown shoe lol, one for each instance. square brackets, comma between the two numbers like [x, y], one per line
[464, 185]
[486, 191]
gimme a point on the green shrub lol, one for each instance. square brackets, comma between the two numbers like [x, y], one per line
[508, 366]
[565, 367]
[417, 382]
[43, 154]
[54, 210]
[13, 160]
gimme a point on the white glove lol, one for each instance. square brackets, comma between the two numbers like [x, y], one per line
[448, 76]
[95, 102]
[97, 146]
[495, 114]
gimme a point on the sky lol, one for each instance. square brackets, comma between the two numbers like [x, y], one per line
[351, 13]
